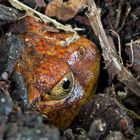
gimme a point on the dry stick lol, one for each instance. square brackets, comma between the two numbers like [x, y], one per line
[19, 5]
[132, 53]
[119, 45]
[113, 65]
[119, 14]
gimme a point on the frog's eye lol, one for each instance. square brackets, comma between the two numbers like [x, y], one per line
[64, 87]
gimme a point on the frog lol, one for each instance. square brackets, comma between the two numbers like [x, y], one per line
[54, 79]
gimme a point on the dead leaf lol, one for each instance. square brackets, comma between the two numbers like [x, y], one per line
[64, 10]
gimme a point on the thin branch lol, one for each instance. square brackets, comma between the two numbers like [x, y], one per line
[132, 53]
[119, 14]
[119, 45]
[44, 18]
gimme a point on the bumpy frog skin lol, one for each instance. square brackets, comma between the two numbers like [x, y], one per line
[59, 79]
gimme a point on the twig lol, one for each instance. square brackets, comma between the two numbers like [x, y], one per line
[45, 18]
[69, 40]
[119, 45]
[119, 14]
[114, 67]
[132, 53]
[128, 9]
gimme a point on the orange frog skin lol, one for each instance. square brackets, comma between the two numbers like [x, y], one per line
[59, 79]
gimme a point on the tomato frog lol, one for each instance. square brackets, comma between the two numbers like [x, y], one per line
[56, 80]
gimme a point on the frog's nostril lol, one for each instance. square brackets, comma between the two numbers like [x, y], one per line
[81, 52]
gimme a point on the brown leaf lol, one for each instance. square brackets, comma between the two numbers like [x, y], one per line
[64, 10]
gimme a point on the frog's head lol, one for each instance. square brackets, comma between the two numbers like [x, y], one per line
[64, 85]
[60, 79]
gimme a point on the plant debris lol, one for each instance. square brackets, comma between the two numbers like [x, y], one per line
[132, 51]
[46, 19]
[113, 63]
[64, 10]
[6, 16]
